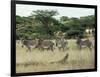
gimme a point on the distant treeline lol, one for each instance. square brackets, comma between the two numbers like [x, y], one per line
[43, 24]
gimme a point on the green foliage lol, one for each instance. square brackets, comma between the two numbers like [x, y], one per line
[73, 33]
[43, 24]
[88, 21]
[64, 18]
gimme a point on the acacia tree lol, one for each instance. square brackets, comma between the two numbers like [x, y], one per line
[45, 18]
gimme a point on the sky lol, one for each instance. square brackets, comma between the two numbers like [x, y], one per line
[26, 10]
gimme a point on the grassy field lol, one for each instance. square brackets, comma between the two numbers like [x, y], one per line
[39, 61]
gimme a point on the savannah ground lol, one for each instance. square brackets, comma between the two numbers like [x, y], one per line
[40, 61]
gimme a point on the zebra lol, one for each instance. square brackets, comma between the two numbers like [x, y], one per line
[62, 44]
[47, 44]
[29, 44]
[87, 43]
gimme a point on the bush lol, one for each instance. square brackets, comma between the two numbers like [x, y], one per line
[73, 33]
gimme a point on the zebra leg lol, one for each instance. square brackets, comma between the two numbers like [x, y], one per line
[48, 49]
[56, 44]
[42, 49]
[52, 49]
[63, 48]
[80, 47]
[90, 47]
[28, 49]
[59, 48]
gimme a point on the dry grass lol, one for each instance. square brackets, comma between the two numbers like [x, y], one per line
[39, 61]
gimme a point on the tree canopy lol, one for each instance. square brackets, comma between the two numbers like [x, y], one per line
[43, 24]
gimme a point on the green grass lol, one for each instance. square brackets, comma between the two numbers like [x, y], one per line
[37, 61]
